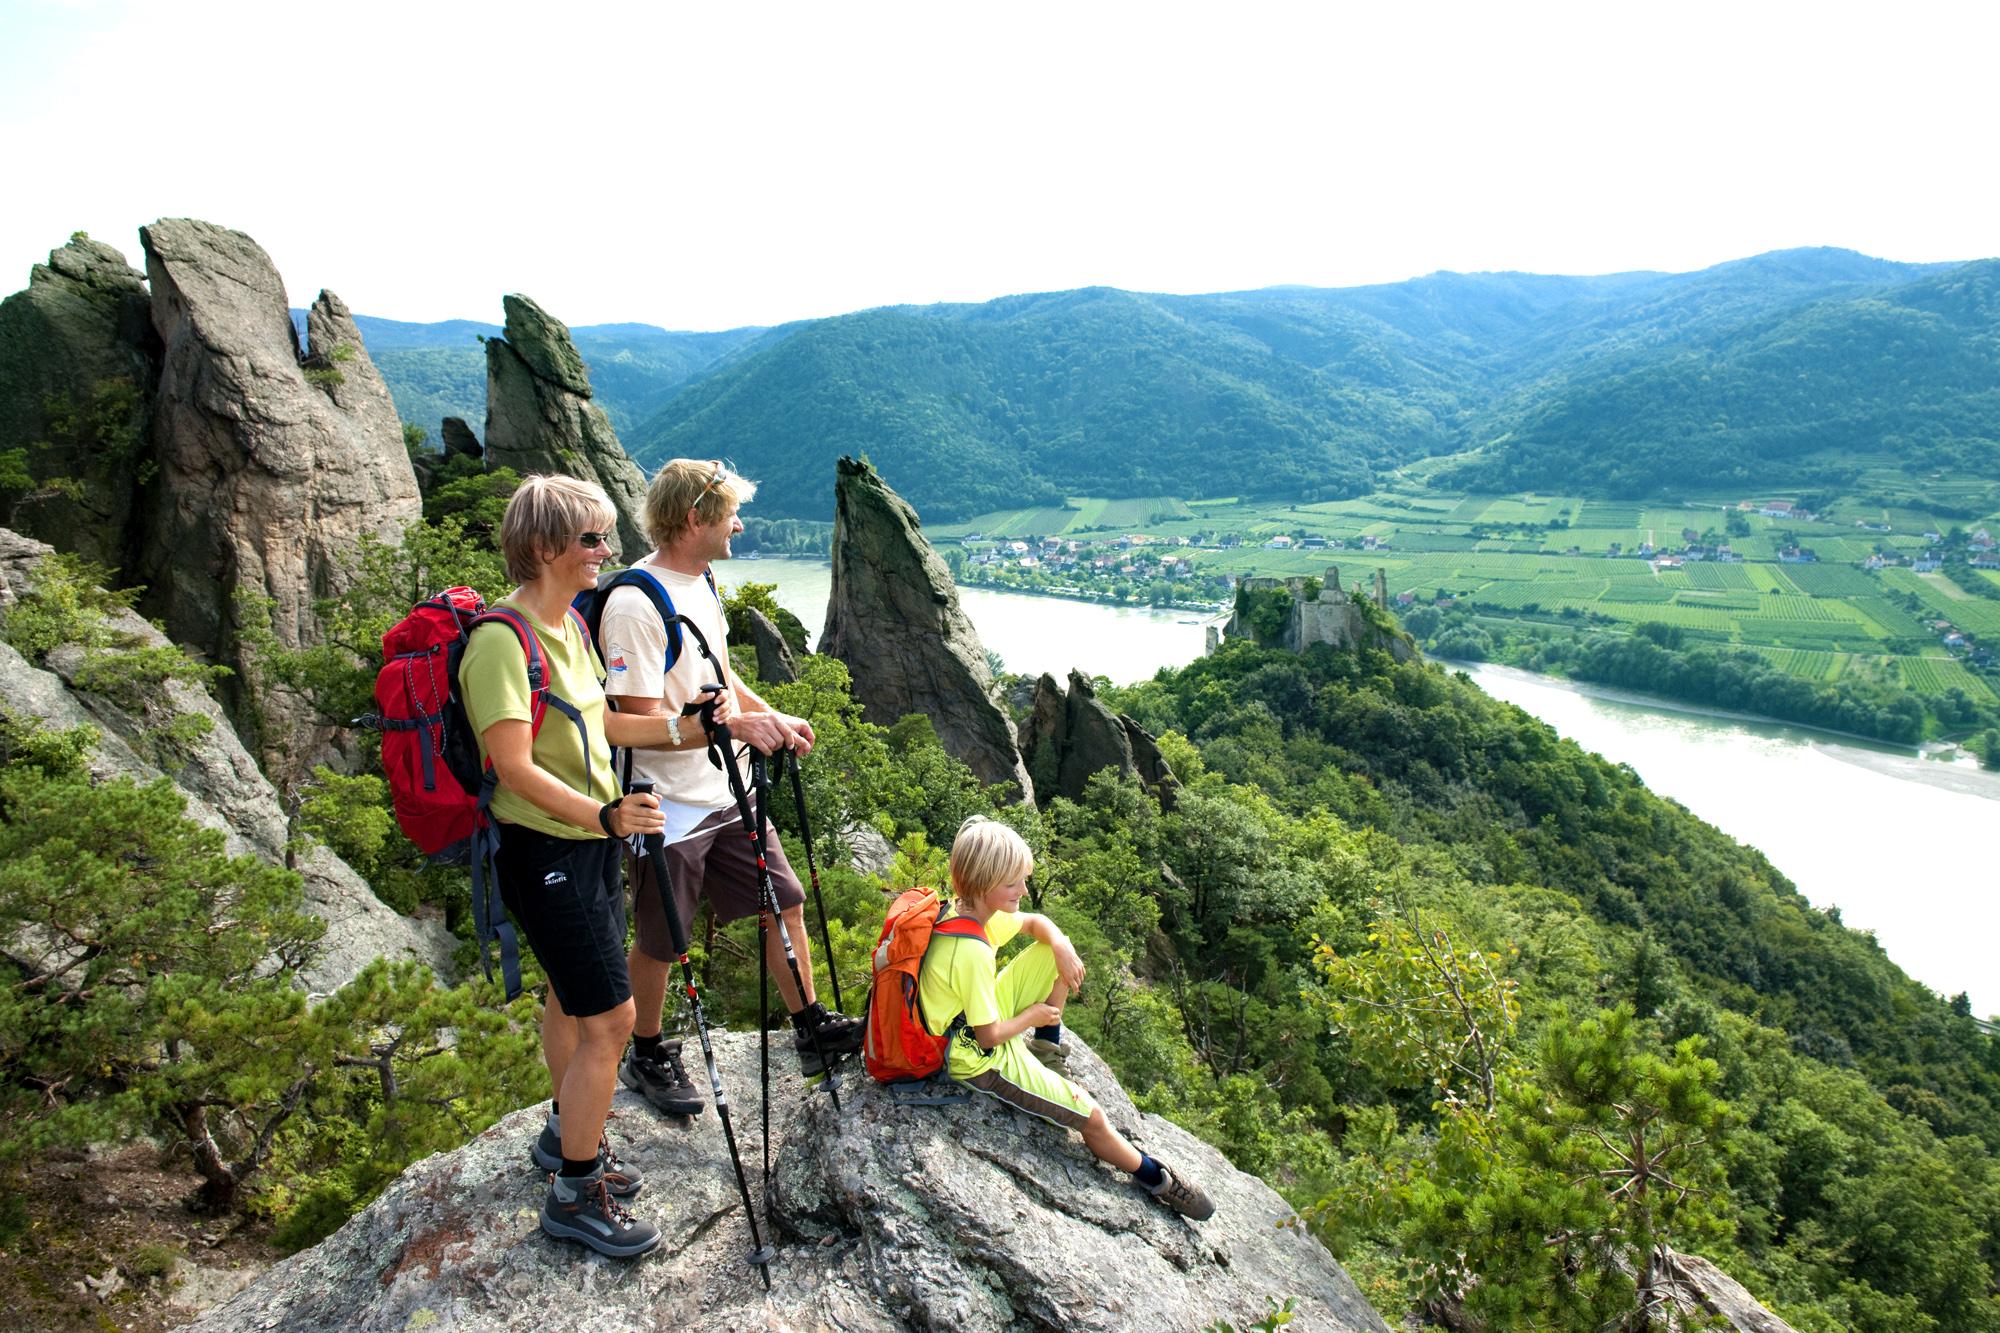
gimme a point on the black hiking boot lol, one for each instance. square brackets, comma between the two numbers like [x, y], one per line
[839, 1035]
[1181, 1194]
[581, 1208]
[663, 1082]
[621, 1178]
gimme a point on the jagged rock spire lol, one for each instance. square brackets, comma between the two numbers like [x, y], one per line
[894, 618]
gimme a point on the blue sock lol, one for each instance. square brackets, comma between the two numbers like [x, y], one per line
[1051, 1034]
[1150, 1173]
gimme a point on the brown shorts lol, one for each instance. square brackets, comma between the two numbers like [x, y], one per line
[716, 862]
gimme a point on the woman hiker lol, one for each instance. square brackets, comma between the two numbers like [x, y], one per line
[561, 822]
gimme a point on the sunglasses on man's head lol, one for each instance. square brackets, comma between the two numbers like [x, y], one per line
[721, 475]
[594, 539]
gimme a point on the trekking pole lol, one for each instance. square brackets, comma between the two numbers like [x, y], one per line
[812, 868]
[720, 743]
[654, 847]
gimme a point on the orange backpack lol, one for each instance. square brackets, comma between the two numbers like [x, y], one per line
[900, 1048]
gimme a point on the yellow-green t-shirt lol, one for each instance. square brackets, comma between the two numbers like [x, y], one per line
[957, 977]
[493, 677]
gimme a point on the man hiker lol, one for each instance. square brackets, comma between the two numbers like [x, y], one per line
[690, 517]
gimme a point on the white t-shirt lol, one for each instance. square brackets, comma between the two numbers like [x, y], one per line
[634, 646]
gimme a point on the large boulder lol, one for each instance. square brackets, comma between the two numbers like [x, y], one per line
[540, 417]
[140, 739]
[885, 1217]
[77, 362]
[894, 619]
[1070, 736]
[271, 465]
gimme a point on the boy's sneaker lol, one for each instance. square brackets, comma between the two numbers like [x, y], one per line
[1053, 1054]
[620, 1177]
[839, 1035]
[663, 1082]
[1182, 1195]
[581, 1208]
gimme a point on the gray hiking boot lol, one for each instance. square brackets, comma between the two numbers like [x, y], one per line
[1182, 1195]
[1053, 1054]
[663, 1082]
[581, 1208]
[620, 1177]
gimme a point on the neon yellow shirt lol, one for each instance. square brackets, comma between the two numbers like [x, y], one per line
[957, 977]
[493, 676]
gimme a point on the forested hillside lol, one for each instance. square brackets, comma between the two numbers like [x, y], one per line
[436, 371]
[1799, 398]
[1773, 371]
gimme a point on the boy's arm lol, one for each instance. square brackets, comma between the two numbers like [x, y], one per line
[989, 1035]
[1069, 966]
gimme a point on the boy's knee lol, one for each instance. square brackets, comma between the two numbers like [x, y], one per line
[613, 1024]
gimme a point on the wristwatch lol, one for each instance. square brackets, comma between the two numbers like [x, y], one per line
[674, 731]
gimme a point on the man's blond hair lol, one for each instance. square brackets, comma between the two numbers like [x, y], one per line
[709, 487]
[546, 514]
[985, 855]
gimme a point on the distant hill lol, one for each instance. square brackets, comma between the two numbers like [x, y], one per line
[1780, 398]
[438, 370]
[1760, 372]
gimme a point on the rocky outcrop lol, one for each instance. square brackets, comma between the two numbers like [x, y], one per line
[540, 417]
[894, 618]
[774, 655]
[271, 466]
[77, 365]
[224, 787]
[1069, 737]
[457, 438]
[1324, 614]
[888, 1217]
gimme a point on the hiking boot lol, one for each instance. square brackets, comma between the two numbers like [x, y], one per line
[663, 1082]
[839, 1035]
[620, 1177]
[581, 1208]
[1182, 1195]
[1053, 1054]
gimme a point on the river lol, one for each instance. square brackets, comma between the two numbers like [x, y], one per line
[1902, 842]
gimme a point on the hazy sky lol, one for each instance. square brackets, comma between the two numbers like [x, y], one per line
[727, 164]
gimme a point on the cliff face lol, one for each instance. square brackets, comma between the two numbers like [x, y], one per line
[78, 359]
[886, 1217]
[1070, 736]
[224, 788]
[894, 619]
[540, 417]
[270, 466]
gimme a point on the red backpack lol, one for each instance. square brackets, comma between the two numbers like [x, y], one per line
[900, 1048]
[439, 786]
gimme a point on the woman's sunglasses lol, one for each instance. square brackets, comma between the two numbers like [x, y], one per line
[594, 539]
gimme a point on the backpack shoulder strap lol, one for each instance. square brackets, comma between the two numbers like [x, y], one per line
[963, 927]
[662, 600]
[531, 649]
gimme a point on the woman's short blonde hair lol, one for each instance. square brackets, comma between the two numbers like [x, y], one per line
[545, 516]
[985, 855]
[710, 487]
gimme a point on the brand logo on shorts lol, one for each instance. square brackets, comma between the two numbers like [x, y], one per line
[555, 877]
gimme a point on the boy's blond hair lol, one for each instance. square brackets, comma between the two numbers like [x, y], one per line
[548, 513]
[985, 855]
[710, 487]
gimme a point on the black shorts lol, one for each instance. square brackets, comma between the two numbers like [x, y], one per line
[568, 898]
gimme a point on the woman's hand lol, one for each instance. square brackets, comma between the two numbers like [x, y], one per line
[638, 812]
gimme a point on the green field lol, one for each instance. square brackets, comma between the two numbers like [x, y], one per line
[1511, 556]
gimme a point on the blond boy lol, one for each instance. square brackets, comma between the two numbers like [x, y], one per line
[990, 1051]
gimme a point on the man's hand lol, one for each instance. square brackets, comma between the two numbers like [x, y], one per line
[768, 733]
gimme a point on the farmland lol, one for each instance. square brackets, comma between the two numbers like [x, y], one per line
[1566, 561]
